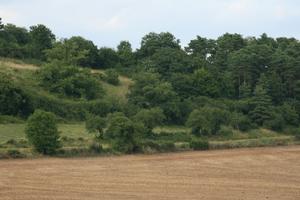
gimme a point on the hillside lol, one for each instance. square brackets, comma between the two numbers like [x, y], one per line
[24, 73]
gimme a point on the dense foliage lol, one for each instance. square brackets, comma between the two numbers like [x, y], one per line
[42, 133]
[209, 85]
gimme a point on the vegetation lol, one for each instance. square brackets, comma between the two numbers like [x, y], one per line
[42, 133]
[210, 90]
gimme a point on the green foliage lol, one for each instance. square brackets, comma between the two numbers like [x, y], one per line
[14, 153]
[153, 42]
[95, 124]
[289, 114]
[112, 77]
[74, 51]
[207, 120]
[41, 39]
[240, 122]
[70, 81]
[126, 56]
[13, 100]
[225, 131]
[150, 117]
[123, 132]
[149, 91]
[261, 103]
[276, 122]
[199, 144]
[41, 131]
[8, 119]
[108, 58]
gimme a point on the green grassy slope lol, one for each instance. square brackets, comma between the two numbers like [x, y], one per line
[25, 75]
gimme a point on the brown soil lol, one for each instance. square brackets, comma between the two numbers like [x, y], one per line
[260, 173]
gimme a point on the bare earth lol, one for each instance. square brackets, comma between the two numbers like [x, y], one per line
[261, 173]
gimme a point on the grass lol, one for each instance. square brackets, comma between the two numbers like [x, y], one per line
[24, 74]
[171, 129]
[16, 131]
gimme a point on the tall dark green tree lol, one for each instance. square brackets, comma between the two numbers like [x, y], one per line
[261, 103]
[127, 57]
[41, 38]
[155, 41]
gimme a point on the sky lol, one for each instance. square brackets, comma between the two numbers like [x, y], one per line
[107, 22]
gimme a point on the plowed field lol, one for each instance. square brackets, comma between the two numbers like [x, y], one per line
[259, 173]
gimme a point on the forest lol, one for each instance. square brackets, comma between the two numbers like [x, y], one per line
[211, 87]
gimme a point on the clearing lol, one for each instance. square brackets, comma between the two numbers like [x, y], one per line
[258, 173]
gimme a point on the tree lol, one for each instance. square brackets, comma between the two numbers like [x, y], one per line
[150, 117]
[13, 100]
[41, 38]
[112, 77]
[169, 60]
[14, 42]
[41, 131]
[149, 91]
[205, 83]
[207, 120]
[240, 121]
[1, 25]
[123, 133]
[108, 58]
[74, 51]
[261, 103]
[202, 48]
[127, 57]
[95, 124]
[70, 81]
[225, 45]
[154, 41]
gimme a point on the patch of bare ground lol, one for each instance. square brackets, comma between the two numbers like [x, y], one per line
[258, 173]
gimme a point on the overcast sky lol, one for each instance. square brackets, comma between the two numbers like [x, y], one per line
[108, 22]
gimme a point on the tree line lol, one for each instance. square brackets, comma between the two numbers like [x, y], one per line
[234, 81]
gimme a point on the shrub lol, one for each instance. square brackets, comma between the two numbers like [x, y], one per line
[13, 100]
[41, 131]
[199, 144]
[112, 77]
[240, 122]
[167, 146]
[276, 122]
[225, 131]
[95, 148]
[70, 81]
[207, 120]
[150, 117]
[95, 124]
[13, 153]
[123, 133]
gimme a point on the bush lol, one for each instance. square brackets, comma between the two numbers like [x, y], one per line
[276, 122]
[123, 132]
[70, 81]
[95, 148]
[199, 144]
[13, 100]
[225, 131]
[41, 131]
[95, 124]
[112, 77]
[13, 153]
[150, 117]
[240, 122]
[207, 120]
